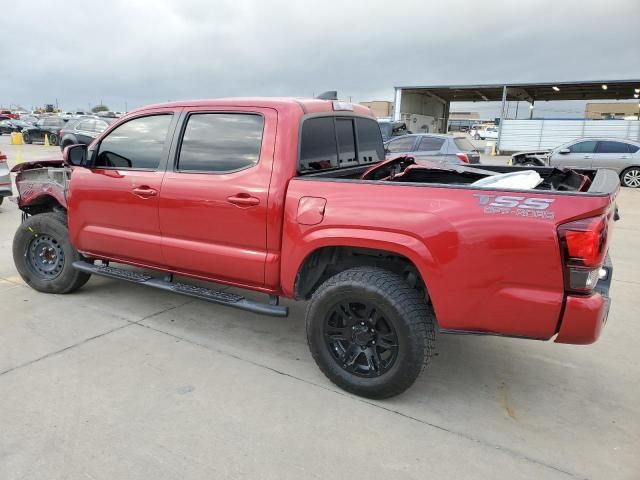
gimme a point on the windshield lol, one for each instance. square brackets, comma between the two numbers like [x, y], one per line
[463, 144]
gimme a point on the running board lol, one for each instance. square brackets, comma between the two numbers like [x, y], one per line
[202, 293]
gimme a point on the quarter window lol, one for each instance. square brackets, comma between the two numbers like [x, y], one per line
[220, 142]
[136, 144]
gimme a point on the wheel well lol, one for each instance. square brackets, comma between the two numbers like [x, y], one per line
[328, 261]
[43, 204]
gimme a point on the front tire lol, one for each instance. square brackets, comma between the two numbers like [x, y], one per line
[631, 177]
[369, 332]
[26, 138]
[53, 139]
[43, 255]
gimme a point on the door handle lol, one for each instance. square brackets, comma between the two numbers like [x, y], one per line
[587, 156]
[144, 192]
[243, 200]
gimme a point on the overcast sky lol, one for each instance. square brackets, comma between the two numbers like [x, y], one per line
[143, 51]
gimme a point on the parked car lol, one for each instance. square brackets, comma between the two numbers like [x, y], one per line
[5, 179]
[391, 128]
[45, 126]
[486, 133]
[10, 126]
[9, 114]
[293, 198]
[623, 156]
[27, 118]
[432, 146]
[82, 130]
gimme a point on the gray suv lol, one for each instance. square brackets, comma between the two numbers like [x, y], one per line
[432, 146]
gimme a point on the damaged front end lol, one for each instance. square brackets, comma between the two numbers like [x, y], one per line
[42, 185]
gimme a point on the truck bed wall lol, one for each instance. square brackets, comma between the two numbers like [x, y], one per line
[481, 265]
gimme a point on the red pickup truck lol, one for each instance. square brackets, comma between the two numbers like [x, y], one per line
[294, 198]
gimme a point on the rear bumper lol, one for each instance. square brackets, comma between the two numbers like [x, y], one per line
[584, 316]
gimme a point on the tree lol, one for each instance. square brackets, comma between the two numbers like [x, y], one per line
[100, 108]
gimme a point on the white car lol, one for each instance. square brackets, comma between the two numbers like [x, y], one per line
[486, 133]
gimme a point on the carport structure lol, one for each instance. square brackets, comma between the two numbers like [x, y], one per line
[419, 104]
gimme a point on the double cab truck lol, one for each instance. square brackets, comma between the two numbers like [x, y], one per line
[294, 198]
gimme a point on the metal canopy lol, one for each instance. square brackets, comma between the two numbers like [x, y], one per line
[531, 92]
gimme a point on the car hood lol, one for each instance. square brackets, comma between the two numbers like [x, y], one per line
[532, 152]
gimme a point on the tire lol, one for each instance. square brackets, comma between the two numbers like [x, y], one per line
[631, 177]
[43, 255]
[369, 332]
[529, 163]
[53, 139]
[26, 138]
[1, 200]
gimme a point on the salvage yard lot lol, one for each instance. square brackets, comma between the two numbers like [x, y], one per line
[120, 381]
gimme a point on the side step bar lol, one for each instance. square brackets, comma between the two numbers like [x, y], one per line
[215, 296]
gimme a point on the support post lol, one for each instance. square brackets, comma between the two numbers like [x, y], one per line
[504, 101]
[396, 104]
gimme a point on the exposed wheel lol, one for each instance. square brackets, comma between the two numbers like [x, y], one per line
[43, 255]
[370, 332]
[631, 177]
[529, 163]
[26, 138]
[53, 139]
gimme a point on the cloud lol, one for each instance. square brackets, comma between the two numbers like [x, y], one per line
[156, 50]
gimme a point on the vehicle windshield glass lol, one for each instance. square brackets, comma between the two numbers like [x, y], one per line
[464, 144]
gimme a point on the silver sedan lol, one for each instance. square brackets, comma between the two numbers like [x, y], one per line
[620, 155]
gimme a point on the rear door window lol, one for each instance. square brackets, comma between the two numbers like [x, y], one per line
[612, 147]
[221, 142]
[430, 144]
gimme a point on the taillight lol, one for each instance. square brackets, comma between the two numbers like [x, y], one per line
[463, 156]
[584, 247]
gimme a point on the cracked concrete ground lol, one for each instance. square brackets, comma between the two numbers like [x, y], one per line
[121, 381]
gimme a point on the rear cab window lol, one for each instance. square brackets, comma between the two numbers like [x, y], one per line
[329, 142]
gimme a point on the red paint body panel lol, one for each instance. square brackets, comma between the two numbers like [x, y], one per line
[583, 319]
[484, 272]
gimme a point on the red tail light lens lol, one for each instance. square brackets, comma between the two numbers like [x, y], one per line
[584, 247]
[463, 156]
[585, 241]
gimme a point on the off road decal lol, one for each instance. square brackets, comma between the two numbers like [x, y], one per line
[520, 206]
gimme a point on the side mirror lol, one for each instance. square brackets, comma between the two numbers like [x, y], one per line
[75, 155]
[564, 151]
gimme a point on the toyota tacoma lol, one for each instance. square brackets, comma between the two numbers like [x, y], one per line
[294, 198]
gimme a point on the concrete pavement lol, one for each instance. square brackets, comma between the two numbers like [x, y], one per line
[121, 381]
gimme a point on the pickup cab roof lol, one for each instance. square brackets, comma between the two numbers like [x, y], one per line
[303, 105]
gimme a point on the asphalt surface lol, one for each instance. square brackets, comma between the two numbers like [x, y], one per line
[118, 381]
